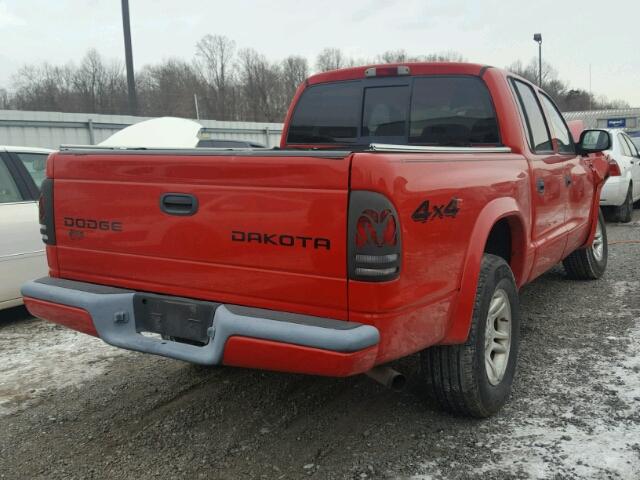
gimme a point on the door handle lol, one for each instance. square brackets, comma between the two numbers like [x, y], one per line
[540, 185]
[181, 204]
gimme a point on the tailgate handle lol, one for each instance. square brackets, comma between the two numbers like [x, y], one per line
[178, 204]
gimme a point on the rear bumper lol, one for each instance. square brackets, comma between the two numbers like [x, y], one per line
[237, 336]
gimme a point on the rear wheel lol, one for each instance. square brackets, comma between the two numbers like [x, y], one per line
[624, 212]
[589, 263]
[475, 379]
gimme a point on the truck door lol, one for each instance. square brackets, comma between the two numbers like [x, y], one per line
[577, 178]
[549, 193]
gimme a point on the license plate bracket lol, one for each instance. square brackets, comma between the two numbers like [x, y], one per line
[174, 317]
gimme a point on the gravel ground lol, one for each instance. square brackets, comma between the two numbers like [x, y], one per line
[73, 407]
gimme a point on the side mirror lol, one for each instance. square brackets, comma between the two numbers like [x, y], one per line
[594, 141]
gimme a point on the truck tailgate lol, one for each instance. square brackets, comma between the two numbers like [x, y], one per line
[264, 229]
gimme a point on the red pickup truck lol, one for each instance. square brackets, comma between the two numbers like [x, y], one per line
[406, 206]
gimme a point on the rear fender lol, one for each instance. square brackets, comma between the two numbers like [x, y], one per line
[521, 260]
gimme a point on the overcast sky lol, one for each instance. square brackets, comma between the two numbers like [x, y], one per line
[496, 32]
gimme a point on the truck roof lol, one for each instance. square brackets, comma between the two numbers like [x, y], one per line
[415, 68]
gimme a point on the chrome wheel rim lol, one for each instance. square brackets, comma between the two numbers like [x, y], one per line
[598, 244]
[497, 337]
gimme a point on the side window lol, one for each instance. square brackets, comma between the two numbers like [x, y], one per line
[8, 189]
[36, 164]
[560, 130]
[623, 146]
[539, 138]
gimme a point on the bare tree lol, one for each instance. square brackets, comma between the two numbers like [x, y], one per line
[88, 81]
[229, 86]
[44, 87]
[215, 59]
[393, 56]
[601, 102]
[332, 59]
[258, 82]
[443, 57]
[401, 56]
[530, 71]
[5, 103]
[168, 89]
[294, 71]
[550, 81]
[99, 86]
[576, 100]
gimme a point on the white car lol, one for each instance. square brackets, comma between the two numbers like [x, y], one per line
[622, 189]
[22, 256]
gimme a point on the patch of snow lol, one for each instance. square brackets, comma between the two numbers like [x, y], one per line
[623, 288]
[595, 433]
[433, 469]
[543, 451]
[38, 357]
[601, 442]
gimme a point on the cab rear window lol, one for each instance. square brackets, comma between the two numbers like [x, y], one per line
[433, 110]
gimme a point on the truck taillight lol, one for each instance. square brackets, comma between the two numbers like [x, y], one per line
[45, 212]
[374, 238]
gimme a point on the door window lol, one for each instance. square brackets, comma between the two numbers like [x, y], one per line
[9, 192]
[561, 133]
[539, 138]
[36, 164]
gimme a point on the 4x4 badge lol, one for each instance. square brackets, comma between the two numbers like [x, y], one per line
[424, 211]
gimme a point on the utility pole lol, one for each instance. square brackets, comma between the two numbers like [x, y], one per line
[537, 37]
[131, 81]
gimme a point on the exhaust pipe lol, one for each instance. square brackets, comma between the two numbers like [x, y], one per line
[388, 377]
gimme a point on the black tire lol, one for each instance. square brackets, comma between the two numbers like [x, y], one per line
[456, 376]
[624, 212]
[585, 263]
